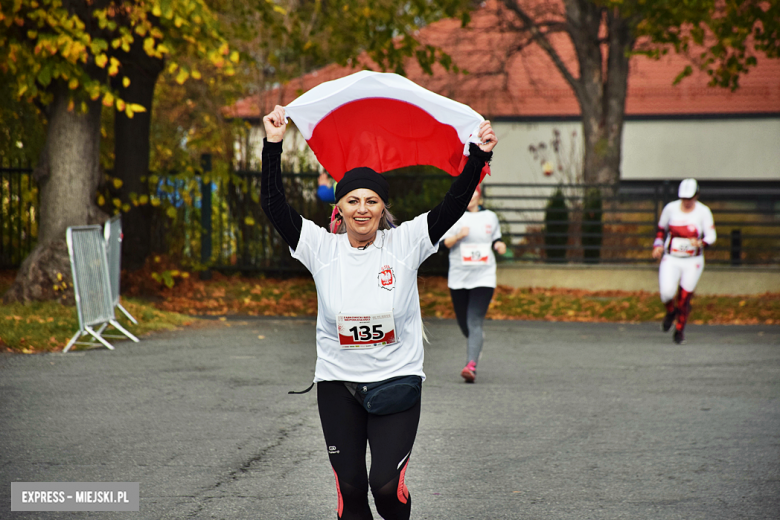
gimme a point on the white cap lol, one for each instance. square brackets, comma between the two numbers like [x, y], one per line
[688, 189]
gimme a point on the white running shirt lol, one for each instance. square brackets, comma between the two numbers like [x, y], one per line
[378, 279]
[472, 261]
[682, 226]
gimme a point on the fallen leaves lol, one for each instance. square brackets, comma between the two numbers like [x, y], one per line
[38, 329]
[578, 305]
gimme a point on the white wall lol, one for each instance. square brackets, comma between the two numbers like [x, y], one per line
[514, 163]
[705, 149]
[297, 155]
[725, 149]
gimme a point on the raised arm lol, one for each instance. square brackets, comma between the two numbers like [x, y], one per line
[282, 216]
[446, 214]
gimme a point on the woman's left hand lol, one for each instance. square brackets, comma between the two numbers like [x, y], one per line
[487, 137]
[500, 247]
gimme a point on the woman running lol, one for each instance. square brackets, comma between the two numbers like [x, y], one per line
[472, 274]
[685, 229]
[369, 326]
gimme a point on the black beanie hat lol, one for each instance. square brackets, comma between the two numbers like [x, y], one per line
[363, 177]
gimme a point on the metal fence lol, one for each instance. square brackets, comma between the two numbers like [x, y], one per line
[219, 223]
[112, 232]
[18, 214]
[242, 239]
[747, 220]
[91, 285]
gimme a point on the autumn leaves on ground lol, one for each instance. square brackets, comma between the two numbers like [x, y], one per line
[48, 326]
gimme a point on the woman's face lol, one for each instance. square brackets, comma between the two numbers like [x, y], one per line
[689, 204]
[362, 210]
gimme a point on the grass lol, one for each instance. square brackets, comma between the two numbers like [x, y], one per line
[46, 327]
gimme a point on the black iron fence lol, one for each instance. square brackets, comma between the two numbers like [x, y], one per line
[219, 223]
[243, 239]
[617, 224]
[18, 213]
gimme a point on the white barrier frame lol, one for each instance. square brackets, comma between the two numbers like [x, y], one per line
[92, 279]
[113, 235]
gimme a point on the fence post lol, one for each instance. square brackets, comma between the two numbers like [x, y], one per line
[592, 228]
[205, 215]
[556, 227]
[667, 193]
[736, 247]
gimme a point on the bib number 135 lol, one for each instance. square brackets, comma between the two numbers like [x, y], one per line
[367, 331]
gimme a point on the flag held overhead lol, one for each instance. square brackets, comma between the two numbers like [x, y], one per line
[384, 121]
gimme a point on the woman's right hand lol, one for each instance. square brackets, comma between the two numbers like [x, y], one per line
[487, 137]
[658, 252]
[275, 125]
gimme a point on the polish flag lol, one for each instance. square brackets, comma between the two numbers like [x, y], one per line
[384, 121]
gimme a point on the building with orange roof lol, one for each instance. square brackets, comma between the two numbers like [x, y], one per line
[670, 131]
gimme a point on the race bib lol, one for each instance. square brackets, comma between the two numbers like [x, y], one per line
[474, 254]
[366, 331]
[681, 247]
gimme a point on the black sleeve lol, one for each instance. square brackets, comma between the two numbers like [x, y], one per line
[446, 214]
[283, 217]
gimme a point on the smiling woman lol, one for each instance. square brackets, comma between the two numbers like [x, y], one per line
[369, 369]
[361, 213]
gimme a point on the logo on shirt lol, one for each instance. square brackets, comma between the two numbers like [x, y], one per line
[386, 278]
[488, 229]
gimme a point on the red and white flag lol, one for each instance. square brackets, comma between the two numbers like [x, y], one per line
[384, 121]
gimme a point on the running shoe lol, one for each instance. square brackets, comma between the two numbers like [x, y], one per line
[679, 338]
[668, 321]
[469, 372]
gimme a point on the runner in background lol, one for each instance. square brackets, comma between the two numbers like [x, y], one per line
[685, 229]
[472, 274]
[326, 189]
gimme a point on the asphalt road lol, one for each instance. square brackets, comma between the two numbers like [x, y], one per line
[566, 421]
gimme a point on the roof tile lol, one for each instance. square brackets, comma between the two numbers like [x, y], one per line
[532, 87]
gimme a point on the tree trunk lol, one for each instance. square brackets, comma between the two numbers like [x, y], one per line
[601, 87]
[131, 152]
[67, 176]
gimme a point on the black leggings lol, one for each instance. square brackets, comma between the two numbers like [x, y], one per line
[471, 306]
[347, 427]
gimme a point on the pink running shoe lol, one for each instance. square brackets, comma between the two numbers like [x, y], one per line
[469, 372]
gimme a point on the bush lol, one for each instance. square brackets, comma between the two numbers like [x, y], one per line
[413, 191]
[592, 226]
[556, 227]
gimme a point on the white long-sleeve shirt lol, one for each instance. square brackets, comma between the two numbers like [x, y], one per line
[679, 227]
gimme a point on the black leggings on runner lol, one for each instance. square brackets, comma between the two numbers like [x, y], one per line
[471, 306]
[348, 427]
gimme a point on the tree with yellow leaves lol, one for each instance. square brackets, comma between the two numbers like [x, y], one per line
[68, 57]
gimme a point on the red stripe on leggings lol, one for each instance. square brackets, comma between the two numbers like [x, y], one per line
[403, 492]
[340, 507]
